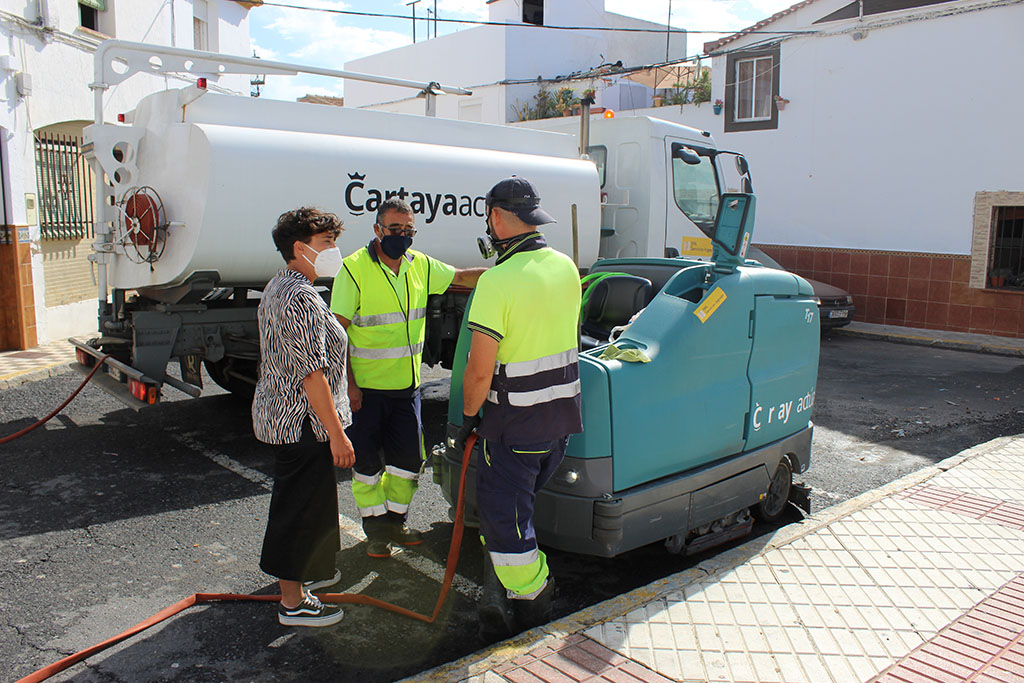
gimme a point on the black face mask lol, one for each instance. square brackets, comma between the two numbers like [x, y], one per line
[489, 245]
[395, 245]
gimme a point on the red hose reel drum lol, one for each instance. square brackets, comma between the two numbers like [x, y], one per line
[142, 214]
[142, 224]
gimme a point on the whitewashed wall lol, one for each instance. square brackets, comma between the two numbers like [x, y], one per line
[61, 67]
[885, 139]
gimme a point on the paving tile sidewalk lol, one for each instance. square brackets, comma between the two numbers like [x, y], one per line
[921, 580]
[40, 362]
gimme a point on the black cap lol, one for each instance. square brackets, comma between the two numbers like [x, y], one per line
[519, 196]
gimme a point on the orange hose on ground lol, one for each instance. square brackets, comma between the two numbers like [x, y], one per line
[348, 598]
[40, 423]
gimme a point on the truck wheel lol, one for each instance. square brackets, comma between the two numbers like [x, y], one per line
[225, 373]
[774, 503]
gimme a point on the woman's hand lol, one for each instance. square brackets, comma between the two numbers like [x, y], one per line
[342, 452]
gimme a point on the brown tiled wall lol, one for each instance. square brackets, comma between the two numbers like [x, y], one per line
[909, 289]
[17, 297]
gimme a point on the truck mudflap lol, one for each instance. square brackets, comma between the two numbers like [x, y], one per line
[671, 507]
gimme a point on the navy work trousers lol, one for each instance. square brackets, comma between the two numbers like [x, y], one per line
[507, 482]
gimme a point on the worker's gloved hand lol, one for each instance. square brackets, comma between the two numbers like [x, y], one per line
[469, 423]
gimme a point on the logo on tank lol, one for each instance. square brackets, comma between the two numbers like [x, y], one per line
[361, 198]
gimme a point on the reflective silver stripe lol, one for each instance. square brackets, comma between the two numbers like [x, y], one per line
[374, 511]
[404, 474]
[512, 595]
[400, 508]
[388, 318]
[492, 396]
[521, 399]
[392, 353]
[368, 480]
[515, 559]
[532, 367]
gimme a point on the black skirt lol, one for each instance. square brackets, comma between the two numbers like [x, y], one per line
[302, 537]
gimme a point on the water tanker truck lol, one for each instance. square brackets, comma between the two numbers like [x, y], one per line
[676, 448]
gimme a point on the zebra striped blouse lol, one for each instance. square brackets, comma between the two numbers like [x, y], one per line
[298, 335]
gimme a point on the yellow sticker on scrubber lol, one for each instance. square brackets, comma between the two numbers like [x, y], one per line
[711, 303]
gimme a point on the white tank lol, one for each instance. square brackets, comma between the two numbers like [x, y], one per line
[226, 167]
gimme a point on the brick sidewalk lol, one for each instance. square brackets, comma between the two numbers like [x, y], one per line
[921, 581]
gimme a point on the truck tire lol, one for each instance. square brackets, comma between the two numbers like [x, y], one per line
[224, 372]
[774, 503]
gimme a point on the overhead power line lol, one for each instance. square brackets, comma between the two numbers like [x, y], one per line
[479, 22]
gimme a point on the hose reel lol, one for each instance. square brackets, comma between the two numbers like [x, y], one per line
[142, 224]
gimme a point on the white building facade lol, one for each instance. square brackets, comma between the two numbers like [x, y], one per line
[892, 167]
[505, 66]
[46, 66]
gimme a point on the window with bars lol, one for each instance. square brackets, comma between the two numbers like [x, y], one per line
[64, 182]
[1006, 248]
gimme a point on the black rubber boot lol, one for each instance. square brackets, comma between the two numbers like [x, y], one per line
[495, 612]
[399, 533]
[377, 536]
[532, 613]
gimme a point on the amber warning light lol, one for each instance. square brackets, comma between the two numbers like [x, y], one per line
[609, 114]
[147, 393]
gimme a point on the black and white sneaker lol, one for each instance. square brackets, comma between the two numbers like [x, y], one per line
[311, 586]
[309, 612]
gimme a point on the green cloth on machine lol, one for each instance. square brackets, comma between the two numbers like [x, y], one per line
[613, 352]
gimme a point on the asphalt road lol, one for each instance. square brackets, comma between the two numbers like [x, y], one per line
[108, 516]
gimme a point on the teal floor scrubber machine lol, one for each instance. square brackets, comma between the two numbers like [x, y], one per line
[697, 382]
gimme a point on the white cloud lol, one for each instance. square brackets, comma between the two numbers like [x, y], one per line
[327, 40]
[264, 52]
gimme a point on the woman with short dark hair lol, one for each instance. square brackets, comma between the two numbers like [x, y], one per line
[301, 406]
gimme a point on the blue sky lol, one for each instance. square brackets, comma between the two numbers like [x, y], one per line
[329, 40]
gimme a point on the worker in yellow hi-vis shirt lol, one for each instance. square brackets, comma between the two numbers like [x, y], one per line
[380, 297]
[524, 372]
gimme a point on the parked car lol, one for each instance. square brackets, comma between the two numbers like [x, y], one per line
[835, 305]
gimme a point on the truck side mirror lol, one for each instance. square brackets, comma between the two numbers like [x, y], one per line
[734, 227]
[741, 165]
[681, 151]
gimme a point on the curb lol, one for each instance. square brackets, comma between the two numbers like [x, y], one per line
[482, 661]
[922, 340]
[17, 379]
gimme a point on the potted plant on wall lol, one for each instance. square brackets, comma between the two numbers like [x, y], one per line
[780, 102]
[565, 100]
[717, 106]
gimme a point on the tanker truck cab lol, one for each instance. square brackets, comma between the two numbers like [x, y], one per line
[660, 183]
[697, 383]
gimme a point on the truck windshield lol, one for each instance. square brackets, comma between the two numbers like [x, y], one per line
[696, 190]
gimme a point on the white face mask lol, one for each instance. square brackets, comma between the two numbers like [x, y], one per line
[327, 263]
